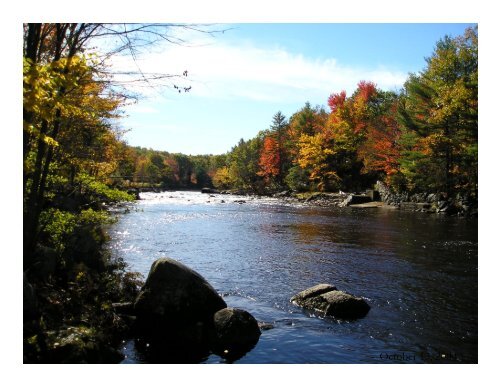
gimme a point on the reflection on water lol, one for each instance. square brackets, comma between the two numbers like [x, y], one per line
[417, 271]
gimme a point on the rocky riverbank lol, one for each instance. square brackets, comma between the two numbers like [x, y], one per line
[459, 205]
[381, 196]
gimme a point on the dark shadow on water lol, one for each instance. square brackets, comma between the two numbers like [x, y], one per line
[234, 352]
[170, 352]
[166, 351]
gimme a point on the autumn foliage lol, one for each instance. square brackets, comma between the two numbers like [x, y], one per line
[421, 139]
[269, 161]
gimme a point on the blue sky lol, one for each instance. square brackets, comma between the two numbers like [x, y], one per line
[242, 77]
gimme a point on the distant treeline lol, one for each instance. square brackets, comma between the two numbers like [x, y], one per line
[140, 166]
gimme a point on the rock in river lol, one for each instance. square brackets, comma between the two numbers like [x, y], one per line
[209, 190]
[327, 299]
[182, 317]
[235, 332]
[175, 296]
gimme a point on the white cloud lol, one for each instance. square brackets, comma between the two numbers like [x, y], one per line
[223, 71]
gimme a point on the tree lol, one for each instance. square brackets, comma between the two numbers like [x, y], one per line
[222, 178]
[270, 162]
[62, 100]
[126, 159]
[171, 175]
[303, 122]
[200, 170]
[346, 131]
[316, 154]
[379, 150]
[243, 163]
[441, 107]
[185, 169]
[279, 128]
[274, 159]
[307, 121]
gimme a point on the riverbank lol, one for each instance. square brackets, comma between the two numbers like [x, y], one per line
[72, 288]
[381, 197]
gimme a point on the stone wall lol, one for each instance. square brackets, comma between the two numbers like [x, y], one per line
[460, 204]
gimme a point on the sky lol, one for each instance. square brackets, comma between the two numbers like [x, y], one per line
[240, 78]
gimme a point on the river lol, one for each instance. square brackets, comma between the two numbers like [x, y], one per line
[418, 272]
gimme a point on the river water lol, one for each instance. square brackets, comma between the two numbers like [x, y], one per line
[418, 272]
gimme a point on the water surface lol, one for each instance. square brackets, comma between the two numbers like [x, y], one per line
[417, 271]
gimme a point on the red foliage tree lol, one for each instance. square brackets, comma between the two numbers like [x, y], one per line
[335, 101]
[380, 151]
[270, 162]
[366, 90]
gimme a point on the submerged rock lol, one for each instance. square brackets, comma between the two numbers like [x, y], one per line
[331, 302]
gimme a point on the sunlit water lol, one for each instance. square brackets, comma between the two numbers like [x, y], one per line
[417, 271]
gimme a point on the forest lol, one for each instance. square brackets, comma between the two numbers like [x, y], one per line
[423, 138]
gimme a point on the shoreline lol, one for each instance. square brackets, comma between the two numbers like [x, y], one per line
[431, 203]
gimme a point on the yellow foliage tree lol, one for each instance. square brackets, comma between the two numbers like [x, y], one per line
[315, 152]
[222, 178]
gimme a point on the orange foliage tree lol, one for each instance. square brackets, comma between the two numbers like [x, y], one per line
[270, 162]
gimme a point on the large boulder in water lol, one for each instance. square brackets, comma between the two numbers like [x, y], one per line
[175, 296]
[328, 300]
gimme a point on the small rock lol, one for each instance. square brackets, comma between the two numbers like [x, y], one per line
[343, 305]
[235, 331]
[264, 326]
[331, 302]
